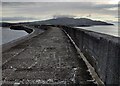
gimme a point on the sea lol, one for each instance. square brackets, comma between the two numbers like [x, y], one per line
[113, 30]
[8, 35]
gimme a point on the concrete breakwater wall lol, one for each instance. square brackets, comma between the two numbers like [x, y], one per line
[20, 27]
[29, 29]
[102, 51]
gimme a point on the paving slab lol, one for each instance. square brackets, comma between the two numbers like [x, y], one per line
[49, 58]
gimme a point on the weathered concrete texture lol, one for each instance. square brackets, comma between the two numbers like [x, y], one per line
[101, 50]
[48, 58]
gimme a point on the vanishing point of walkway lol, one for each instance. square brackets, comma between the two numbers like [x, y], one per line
[48, 58]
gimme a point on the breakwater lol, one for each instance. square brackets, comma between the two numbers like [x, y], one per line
[101, 50]
[33, 31]
[46, 59]
[21, 27]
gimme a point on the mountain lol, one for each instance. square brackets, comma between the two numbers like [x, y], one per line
[5, 24]
[63, 21]
[71, 22]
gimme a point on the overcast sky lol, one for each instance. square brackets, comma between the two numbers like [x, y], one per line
[14, 10]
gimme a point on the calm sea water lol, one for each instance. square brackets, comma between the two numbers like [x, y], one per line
[110, 30]
[10, 35]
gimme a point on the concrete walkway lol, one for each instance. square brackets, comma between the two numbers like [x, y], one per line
[48, 58]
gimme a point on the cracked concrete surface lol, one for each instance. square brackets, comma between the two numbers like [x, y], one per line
[47, 58]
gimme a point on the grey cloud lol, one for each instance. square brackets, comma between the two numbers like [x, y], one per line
[40, 9]
[54, 0]
[102, 6]
[61, 16]
[54, 5]
[16, 18]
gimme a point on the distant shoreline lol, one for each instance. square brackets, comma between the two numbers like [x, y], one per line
[85, 22]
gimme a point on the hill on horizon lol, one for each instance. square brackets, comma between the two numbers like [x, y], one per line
[64, 21]
[71, 22]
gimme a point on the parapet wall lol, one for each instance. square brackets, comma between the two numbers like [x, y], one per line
[102, 51]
